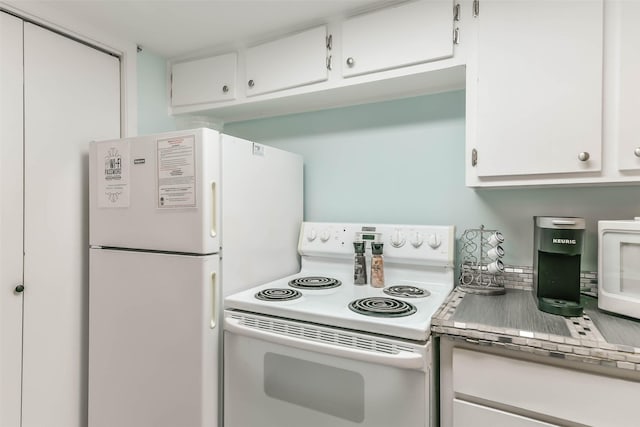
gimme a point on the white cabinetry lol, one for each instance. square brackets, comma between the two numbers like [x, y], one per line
[404, 49]
[11, 137]
[622, 90]
[511, 391]
[57, 95]
[296, 60]
[534, 89]
[467, 414]
[406, 34]
[204, 80]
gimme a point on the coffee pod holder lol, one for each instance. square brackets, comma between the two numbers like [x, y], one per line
[481, 266]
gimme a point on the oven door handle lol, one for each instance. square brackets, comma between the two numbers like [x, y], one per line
[403, 359]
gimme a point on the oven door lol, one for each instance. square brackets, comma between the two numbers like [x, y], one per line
[282, 373]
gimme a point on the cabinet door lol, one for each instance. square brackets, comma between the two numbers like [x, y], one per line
[553, 391]
[204, 80]
[406, 34]
[297, 60]
[623, 64]
[11, 137]
[539, 87]
[72, 95]
[468, 414]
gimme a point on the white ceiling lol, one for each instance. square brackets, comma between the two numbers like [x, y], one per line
[172, 28]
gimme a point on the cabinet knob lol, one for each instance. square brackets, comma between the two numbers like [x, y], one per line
[251, 83]
[351, 62]
[19, 289]
[637, 151]
[225, 88]
[583, 157]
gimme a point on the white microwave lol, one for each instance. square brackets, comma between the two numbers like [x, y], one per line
[619, 267]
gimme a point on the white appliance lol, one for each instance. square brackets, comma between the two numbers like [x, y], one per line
[304, 350]
[619, 267]
[177, 221]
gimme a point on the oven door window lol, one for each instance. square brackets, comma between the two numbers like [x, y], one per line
[322, 388]
[272, 385]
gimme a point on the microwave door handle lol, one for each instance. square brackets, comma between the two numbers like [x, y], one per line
[404, 359]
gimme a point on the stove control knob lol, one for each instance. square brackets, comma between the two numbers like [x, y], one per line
[434, 241]
[416, 240]
[397, 239]
[311, 235]
[324, 235]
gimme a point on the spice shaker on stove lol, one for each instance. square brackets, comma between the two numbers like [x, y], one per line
[360, 264]
[377, 265]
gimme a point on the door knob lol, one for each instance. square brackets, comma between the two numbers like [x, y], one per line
[19, 289]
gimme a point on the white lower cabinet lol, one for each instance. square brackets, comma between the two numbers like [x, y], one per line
[467, 414]
[496, 388]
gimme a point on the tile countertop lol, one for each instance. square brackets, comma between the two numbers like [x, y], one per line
[512, 321]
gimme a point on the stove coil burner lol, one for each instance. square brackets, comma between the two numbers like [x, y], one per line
[382, 307]
[406, 291]
[315, 283]
[278, 294]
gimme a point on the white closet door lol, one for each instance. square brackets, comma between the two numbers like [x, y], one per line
[10, 218]
[72, 95]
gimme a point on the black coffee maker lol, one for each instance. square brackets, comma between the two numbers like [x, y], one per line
[557, 248]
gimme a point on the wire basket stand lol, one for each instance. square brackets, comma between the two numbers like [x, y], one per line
[481, 267]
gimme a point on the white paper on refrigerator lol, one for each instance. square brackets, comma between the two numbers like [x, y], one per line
[176, 172]
[113, 174]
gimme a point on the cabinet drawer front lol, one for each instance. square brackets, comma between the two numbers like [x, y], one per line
[204, 80]
[561, 393]
[289, 62]
[469, 414]
[407, 34]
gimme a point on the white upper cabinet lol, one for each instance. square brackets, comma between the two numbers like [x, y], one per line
[204, 81]
[405, 49]
[534, 89]
[622, 80]
[402, 35]
[296, 60]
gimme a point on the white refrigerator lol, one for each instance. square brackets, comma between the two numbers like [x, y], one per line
[178, 221]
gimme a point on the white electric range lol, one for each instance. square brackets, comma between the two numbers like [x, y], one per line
[315, 349]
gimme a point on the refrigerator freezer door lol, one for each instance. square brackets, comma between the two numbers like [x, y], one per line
[153, 339]
[157, 192]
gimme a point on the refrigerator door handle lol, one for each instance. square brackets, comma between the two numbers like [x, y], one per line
[214, 207]
[214, 300]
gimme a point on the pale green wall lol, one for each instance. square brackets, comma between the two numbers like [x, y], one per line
[153, 104]
[402, 162]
